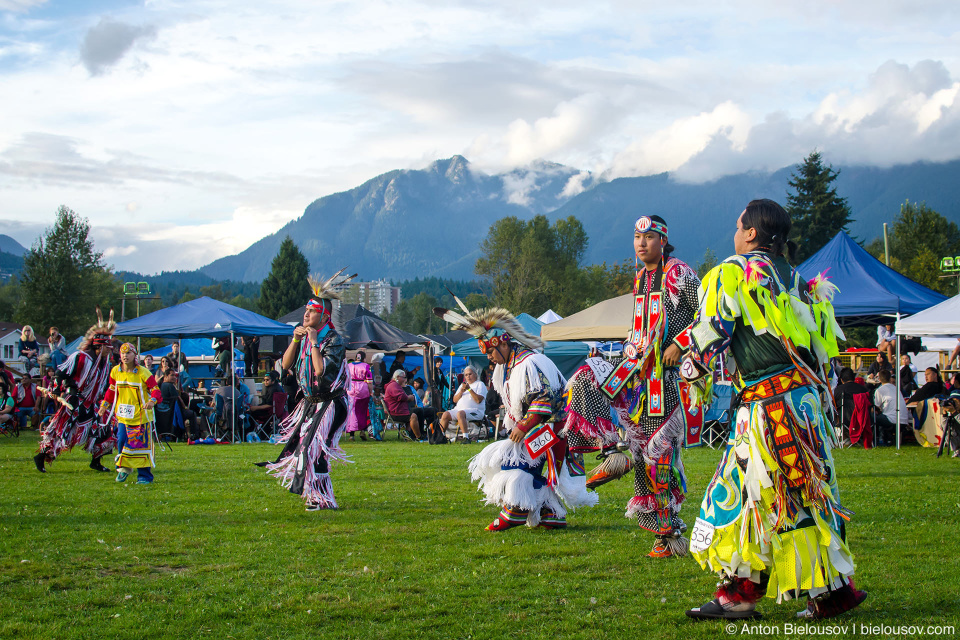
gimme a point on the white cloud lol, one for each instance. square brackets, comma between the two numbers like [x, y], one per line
[20, 6]
[211, 122]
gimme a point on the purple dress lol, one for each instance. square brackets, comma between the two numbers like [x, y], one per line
[358, 375]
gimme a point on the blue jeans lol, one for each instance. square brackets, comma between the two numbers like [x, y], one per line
[24, 413]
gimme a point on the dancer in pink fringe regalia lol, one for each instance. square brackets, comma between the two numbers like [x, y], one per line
[312, 432]
[81, 382]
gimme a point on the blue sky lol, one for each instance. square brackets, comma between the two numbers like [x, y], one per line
[187, 130]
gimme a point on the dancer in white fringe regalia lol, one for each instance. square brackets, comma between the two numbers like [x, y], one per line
[532, 475]
[312, 432]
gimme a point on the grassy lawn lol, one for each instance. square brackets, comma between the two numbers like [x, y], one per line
[216, 548]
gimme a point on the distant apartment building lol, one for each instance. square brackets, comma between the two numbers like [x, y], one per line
[378, 296]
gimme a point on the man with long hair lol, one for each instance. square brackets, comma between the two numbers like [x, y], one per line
[646, 392]
[771, 522]
[311, 433]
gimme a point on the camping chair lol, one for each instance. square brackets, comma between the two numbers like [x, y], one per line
[268, 426]
[716, 419]
[389, 422]
[11, 428]
[860, 426]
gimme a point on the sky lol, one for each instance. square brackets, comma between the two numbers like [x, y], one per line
[187, 130]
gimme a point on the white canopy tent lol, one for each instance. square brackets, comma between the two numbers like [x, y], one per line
[942, 320]
[549, 316]
[607, 320]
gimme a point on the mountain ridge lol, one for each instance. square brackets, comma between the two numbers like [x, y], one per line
[429, 222]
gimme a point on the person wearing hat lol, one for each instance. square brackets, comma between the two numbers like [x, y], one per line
[311, 433]
[771, 522]
[531, 476]
[646, 391]
[271, 385]
[131, 397]
[81, 383]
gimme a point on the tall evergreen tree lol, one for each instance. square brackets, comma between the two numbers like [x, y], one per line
[818, 212]
[285, 287]
[64, 278]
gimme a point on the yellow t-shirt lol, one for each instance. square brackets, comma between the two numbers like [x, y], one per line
[130, 392]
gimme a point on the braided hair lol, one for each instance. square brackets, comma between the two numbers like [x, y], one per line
[772, 224]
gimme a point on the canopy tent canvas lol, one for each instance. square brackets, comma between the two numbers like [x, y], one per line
[370, 332]
[607, 320]
[870, 292]
[940, 320]
[549, 316]
[202, 317]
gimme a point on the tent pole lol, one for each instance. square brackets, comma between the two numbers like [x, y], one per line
[233, 391]
[896, 336]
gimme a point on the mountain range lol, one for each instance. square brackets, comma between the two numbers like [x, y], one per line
[430, 222]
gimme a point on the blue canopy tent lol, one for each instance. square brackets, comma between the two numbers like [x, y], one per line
[870, 292]
[208, 318]
[568, 356]
[190, 347]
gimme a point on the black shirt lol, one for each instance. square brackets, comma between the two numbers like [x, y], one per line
[927, 391]
[170, 395]
[266, 396]
[843, 396]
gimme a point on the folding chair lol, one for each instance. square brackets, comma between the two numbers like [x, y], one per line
[11, 427]
[268, 426]
[390, 423]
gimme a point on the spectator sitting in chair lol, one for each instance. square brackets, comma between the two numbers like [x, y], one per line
[931, 389]
[58, 347]
[418, 402]
[878, 365]
[470, 398]
[6, 404]
[27, 400]
[397, 400]
[886, 340]
[239, 392]
[6, 375]
[170, 392]
[886, 398]
[271, 386]
[843, 394]
[908, 376]
[28, 349]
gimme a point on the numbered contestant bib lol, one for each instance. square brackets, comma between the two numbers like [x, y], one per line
[702, 536]
[127, 411]
[539, 440]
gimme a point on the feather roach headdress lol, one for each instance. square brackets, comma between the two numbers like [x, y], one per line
[492, 327]
[100, 333]
[326, 290]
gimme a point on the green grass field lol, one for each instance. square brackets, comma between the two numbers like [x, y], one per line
[215, 548]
